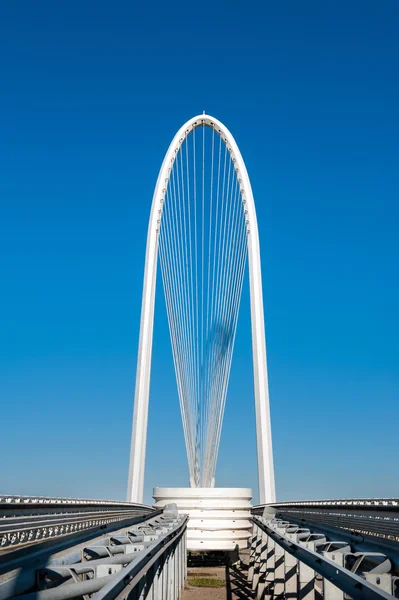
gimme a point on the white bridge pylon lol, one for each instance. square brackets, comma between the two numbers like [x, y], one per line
[202, 271]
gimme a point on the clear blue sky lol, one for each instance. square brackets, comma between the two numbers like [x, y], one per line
[91, 94]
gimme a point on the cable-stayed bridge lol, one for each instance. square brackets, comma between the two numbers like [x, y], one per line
[203, 232]
[204, 229]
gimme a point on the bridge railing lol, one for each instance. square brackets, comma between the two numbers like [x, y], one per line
[376, 518]
[26, 520]
[288, 560]
[147, 559]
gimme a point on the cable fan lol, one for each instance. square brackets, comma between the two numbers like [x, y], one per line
[202, 250]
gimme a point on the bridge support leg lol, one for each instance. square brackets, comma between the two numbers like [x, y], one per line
[267, 492]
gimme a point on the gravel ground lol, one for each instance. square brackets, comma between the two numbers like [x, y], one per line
[234, 579]
[202, 593]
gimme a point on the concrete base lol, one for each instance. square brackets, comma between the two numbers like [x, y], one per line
[219, 517]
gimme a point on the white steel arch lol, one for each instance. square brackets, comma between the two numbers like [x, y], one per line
[262, 409]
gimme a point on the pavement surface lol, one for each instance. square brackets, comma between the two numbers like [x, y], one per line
[233, 578]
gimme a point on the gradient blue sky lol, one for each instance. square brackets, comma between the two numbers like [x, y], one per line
[91, 94]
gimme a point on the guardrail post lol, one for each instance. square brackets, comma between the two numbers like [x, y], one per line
[185, 557]
[279, 573]
[263, 565]
[291, 565]
[158, 579]
[166, 588]
[257, 554]
[251, 565]
[270, 563]
[175, 572]
[306, 582]
[307, 576]
[149, 590]
[384, 581]
[178, 568]
[331, 592]
[171, 574]
[291, 576]
[165, 577]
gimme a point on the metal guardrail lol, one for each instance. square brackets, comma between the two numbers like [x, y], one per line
[37, 500]
[378, 517]
[26, 520]
[106, 549]
[35, 505]
[361, 503]
[288, 560]
[148, 557]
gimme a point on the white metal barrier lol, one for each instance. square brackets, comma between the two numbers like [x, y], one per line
[289, 561]
[147, 560]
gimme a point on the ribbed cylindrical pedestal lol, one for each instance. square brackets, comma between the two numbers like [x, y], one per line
[219, 517]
